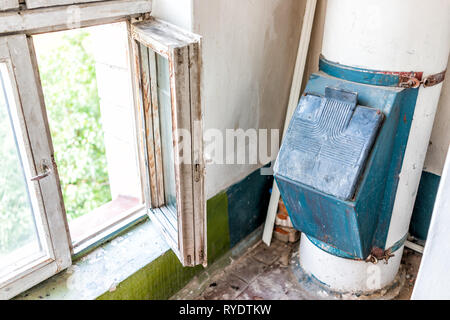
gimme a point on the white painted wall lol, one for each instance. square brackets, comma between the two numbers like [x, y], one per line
[440, 136]
[178, 12]
[249, 50]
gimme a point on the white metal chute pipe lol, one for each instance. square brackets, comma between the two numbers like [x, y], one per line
[294, 95]
[384, 35]
[402, 35]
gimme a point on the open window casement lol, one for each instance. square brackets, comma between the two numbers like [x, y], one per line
[167, 62]
[43, 249]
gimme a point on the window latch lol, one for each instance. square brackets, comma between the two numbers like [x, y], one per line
[197, 172]
[45, 173]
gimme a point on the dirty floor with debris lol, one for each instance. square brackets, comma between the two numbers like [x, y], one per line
[262, 272]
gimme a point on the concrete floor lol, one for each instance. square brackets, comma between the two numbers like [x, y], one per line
[262, 272]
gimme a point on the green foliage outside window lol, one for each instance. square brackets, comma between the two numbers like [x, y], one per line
[16, 223]
[73, 108]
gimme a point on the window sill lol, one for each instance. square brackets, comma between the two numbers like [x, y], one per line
[104, 268]
[103, 217]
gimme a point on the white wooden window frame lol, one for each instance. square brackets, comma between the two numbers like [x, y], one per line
[185, 232]
[17, 24]
[17, 52]
[32, 4]
[183, 51]
[60, 18]
[9, 4]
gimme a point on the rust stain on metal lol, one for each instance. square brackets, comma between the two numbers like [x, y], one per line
[378, 254]
[409, 80]
[434, 79]
[407, 75]
[414, 79]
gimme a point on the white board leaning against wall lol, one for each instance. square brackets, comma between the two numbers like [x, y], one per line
[433, 278]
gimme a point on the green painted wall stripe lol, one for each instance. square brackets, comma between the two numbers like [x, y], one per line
[164, 276]
[159, 280]
[217, 227]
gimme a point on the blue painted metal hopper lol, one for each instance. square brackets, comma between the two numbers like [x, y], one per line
[337, 169]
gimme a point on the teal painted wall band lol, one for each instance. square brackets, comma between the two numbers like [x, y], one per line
[248, 200]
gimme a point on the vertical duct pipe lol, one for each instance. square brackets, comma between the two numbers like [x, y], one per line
[400, 36]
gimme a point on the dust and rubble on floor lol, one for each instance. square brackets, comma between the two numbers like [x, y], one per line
[265, 273]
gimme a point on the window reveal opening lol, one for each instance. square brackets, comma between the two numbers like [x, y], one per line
[87, 91]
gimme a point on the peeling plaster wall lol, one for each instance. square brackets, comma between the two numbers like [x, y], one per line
[249, 51]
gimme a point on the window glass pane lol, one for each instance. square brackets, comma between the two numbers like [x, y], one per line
[87, 89]
[19, 237]
[165, 116]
